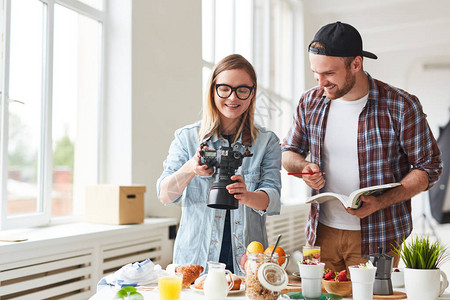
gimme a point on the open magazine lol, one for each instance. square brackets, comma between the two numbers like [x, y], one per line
[353, 200]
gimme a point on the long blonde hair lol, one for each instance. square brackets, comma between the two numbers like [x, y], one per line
[211, 119]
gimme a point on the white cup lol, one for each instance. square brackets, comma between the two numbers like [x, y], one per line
[311, 280]
[362, 282]
[424, 284]
[398, 278]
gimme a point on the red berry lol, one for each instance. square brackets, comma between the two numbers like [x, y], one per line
[330, 275]
[342, 276]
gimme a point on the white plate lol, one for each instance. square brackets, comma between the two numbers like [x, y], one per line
[229, 292]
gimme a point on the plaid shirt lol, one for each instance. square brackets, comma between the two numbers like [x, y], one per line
[393, 138]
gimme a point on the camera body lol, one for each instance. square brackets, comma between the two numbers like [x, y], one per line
[225, 161]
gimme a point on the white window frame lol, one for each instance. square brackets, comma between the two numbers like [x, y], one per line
[267, 33]
[43, 217]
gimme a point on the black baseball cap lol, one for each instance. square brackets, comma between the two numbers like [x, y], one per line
[339, 39]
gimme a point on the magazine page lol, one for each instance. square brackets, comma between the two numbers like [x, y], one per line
[323, 197]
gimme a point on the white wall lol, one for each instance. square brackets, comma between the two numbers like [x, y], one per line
[164, 77]
[166, 86]
[406, 35]
[153, 86]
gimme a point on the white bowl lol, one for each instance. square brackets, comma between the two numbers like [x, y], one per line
[398, 278]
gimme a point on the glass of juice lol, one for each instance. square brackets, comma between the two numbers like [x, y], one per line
[170, 286]
[312, 253]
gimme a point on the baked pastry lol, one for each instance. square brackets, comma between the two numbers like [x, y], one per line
[237, 282]
[190, 274]
[200, 282]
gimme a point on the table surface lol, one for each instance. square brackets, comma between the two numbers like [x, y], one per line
[189, 294]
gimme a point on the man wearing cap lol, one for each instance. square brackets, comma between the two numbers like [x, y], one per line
[360, 132]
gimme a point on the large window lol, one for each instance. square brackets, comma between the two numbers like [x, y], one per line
[267, 33]
[50, 97]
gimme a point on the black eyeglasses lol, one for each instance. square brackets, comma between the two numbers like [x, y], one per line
[242, 92]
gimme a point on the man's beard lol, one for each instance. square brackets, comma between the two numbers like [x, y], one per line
[350, 81]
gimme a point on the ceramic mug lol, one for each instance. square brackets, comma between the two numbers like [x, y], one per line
[311, 280]
[398, 278]
[425, 284]
[362, 282]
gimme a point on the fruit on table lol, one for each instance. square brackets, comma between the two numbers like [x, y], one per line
[243, 261]
[342, 276]
[312, 253]
[331, 275]
[308, 262]
[279, 251]
[255, 247]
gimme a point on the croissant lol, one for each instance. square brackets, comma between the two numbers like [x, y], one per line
[190, 273]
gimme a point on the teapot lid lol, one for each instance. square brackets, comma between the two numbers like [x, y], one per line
[380, 255]
[272, 277]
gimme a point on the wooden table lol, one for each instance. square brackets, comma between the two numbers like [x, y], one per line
[188, 294]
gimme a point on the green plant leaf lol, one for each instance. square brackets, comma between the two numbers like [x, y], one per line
[129, 293]
[420, 253]
[128, 289]
[135, 296]
[121, 294]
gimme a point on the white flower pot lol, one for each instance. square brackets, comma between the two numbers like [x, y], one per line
[423, 284]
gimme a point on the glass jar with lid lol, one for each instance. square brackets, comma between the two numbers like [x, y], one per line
[264, 278]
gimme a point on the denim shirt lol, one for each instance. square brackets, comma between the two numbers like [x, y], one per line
[199, 236]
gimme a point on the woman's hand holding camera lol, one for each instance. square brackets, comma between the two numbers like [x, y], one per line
[256, 200]
[200, 170]
[239, 189]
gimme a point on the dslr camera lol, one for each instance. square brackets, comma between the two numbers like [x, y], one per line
[226, 162]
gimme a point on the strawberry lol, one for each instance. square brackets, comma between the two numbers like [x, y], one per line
[330, 275]
[342, 276]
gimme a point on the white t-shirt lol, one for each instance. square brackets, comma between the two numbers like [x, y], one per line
[340, 161]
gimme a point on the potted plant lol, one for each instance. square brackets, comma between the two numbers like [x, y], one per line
[422, 259]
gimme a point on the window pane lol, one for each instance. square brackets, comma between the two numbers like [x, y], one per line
[224, 29]
[75, 107]
[244, 28]
[25, 116]
[283, 50]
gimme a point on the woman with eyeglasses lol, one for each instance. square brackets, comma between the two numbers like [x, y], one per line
[207, 234]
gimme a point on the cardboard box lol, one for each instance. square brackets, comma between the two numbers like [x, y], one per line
[115, 204]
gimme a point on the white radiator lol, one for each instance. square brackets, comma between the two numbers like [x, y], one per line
[291, 225]
[69, 260]
[69, 267]
[40, 278]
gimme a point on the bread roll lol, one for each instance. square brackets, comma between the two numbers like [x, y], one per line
[237, 282]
